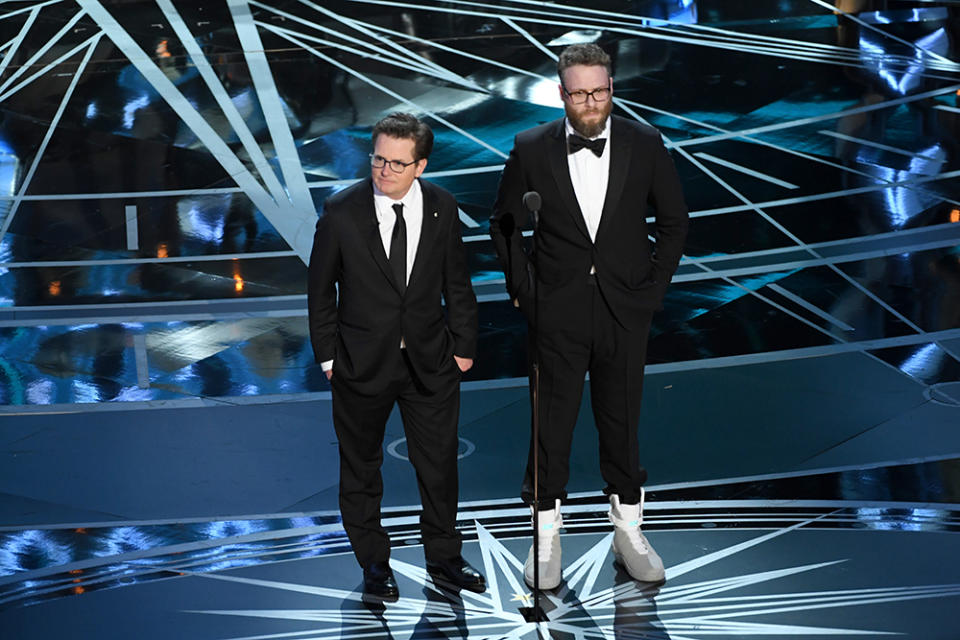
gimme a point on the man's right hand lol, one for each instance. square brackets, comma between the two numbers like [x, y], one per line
[329, 374]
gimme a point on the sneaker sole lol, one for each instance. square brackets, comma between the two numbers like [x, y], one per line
[544, 586]
[659, 579]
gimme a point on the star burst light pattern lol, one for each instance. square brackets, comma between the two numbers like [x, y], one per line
[582, 607]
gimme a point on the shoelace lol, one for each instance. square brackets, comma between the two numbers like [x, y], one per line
[545, 549]
[637, 540]
[548, 533]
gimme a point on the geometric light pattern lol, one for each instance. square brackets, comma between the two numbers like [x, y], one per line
[584, 609]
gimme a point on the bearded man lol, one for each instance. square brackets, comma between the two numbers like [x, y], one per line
[590, 291]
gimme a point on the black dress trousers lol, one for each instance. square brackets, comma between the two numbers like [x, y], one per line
[430, 426]
[615, 359]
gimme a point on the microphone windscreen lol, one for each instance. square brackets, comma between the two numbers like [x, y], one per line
[531, 201]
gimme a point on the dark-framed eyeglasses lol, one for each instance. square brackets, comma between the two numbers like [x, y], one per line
[396, 166]
[580, 96]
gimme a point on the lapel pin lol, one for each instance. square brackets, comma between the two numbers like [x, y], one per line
[434, 214]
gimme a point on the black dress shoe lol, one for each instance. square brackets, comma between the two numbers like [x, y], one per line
[378, 581]
[459, 572]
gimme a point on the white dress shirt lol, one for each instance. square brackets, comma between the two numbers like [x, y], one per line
[387, 218]
[412, 216]
[590, 175]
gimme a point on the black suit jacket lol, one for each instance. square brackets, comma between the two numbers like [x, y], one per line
[631, 276]
[361, 328]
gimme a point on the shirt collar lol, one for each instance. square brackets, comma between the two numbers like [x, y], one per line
[409, 199]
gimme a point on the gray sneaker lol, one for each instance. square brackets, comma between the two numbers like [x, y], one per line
[630, 546]
[548, 537]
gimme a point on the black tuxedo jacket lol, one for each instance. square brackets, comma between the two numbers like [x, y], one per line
[632, 277]
[360, 328]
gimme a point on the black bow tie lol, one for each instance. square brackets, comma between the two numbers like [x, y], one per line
[575, 143]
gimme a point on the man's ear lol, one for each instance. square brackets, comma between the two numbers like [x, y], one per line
[421, 165]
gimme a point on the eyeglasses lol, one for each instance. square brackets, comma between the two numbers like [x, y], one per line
[396, 166]
[579, 97]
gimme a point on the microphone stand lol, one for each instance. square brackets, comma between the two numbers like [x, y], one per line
[532, 202]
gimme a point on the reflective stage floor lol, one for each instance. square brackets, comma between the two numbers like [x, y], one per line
[167, 458]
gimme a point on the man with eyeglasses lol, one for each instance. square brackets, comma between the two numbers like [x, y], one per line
[385, 250]
[589, 291]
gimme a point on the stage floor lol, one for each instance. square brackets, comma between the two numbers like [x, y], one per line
[168, 465]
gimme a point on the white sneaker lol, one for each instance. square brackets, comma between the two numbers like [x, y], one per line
[630, 546]
[548, 539]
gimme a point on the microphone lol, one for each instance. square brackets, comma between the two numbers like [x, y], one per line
[532, 202]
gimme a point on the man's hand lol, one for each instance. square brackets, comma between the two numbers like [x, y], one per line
[463, 363]
[329, 374]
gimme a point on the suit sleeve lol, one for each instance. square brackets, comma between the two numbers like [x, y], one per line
[322, 275]
[462, 316]
[672, 220]
[508, 219]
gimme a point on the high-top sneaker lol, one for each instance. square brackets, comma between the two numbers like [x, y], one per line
[548, 539]
[630, 546]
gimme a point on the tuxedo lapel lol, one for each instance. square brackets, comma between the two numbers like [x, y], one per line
[428, 230]
[557, 157]
[366, 219]
[620, 159]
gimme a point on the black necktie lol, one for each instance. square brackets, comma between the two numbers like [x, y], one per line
[575, 143]
[398, 249]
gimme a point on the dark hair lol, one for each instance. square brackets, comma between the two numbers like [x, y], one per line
[590, 55]
[405, 126]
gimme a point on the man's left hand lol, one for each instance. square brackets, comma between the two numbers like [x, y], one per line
[463, 363]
